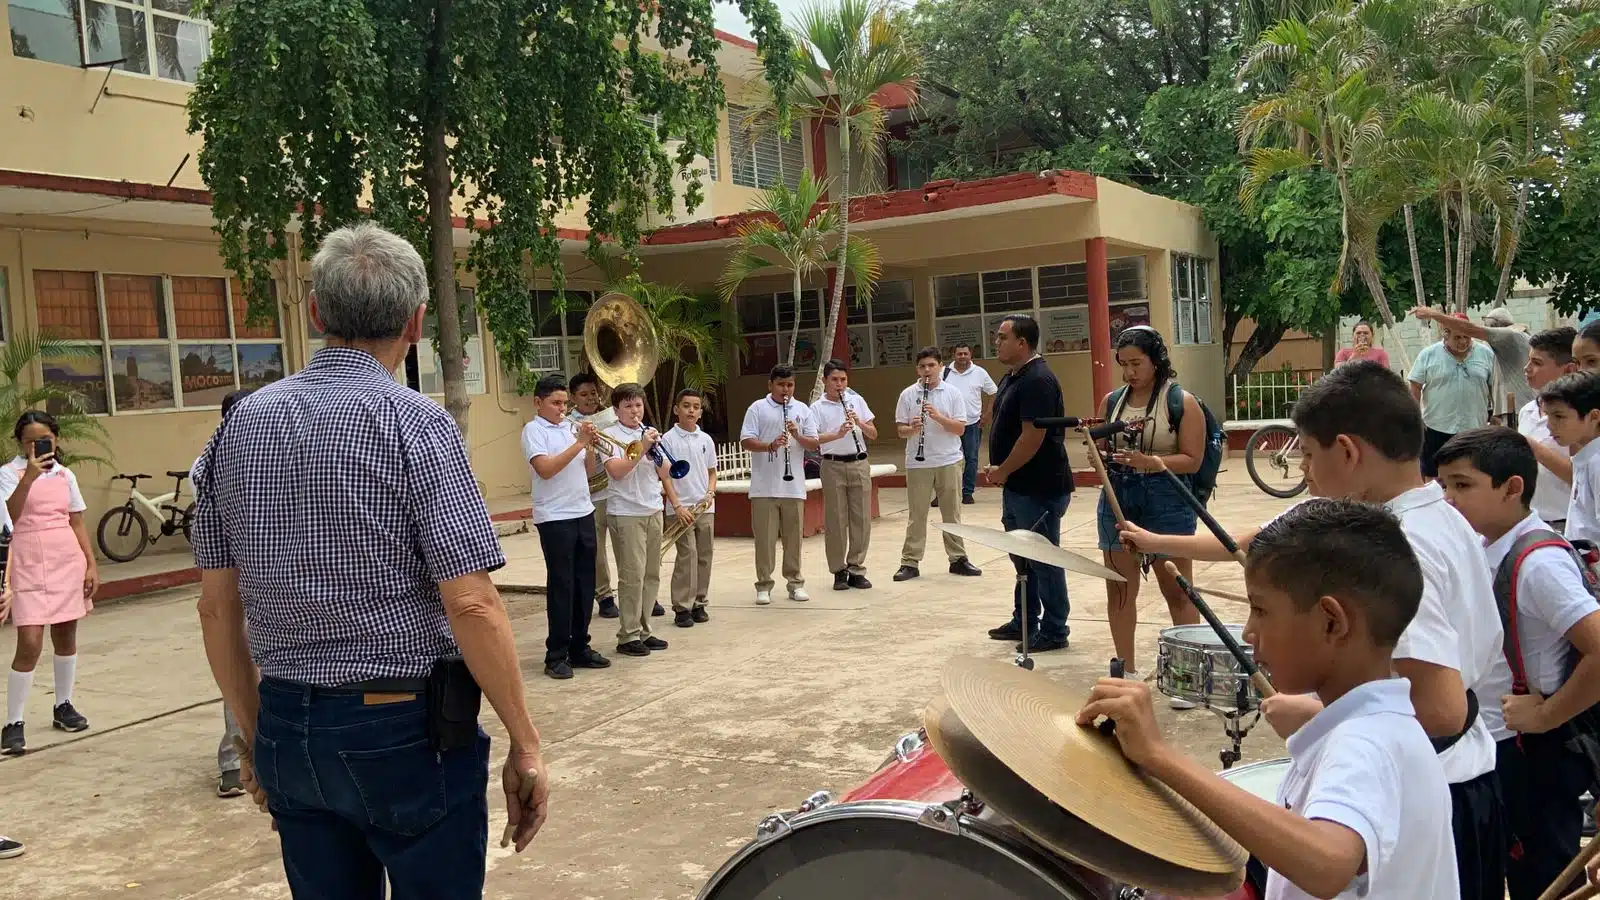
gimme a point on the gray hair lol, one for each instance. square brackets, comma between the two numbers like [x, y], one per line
[368, 283]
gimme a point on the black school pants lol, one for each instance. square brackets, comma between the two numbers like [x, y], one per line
[568, 546]
[1540, 781]
[1478, 823]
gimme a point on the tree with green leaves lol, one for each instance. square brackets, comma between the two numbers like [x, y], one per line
[794, 232]
[316, 112]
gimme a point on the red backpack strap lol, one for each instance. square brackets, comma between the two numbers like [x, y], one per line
[1509, 619]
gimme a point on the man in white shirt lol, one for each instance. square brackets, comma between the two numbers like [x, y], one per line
[1491, 476]
[975, 385]
[844, 426]
[931, 416]
[1549, 358]
[584, 392]
[634, 519]
[773, 426]
[691, 573]
[563, 515]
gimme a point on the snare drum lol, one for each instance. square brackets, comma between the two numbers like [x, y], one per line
[909, 833]
[1263, 780]
[1193, 664]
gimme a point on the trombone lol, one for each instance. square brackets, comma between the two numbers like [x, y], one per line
[676, 529]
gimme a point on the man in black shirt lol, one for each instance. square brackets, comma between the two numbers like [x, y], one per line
[1030, 463]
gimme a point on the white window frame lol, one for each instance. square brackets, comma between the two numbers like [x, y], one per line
[1192, 310]
[1036, 309]
[568, 363]
[150, 14]
[760, 179]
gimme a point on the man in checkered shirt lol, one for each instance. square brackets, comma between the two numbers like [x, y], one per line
[336, 514]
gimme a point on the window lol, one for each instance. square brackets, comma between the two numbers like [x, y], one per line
[157, 342]
[768, 322]
[910, 172]
[654, 121]
[884, 332]
[558, 337]
[765, 159]
[968, 308]
[78, 32]
[1191, 298]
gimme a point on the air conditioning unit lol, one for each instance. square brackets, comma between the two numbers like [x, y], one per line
[680, 185]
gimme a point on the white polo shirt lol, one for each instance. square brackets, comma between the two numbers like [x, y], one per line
[939, 446]
[1364, 762]
[1551, 598]
[638, 494]
[565, 496]
[1583, 518]
[972, 385]
[830, 417]
[764, 421]
[1551, 495]
[1457, 624]
[698, 450]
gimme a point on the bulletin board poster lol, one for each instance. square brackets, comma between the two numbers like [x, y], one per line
[860, 337]
[1123, 317]
[760, 354]
[894, 343]
[807, 351]
[962, 330]
[1065, 330]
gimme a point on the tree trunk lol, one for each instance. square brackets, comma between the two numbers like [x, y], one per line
[794, 338]
[836, 307]
[1416, 263]
[1369, 276]
[1256, 347]
[1449, 266]
[1464, 242]
[1330, 346]
[1511, 250]
[441, 239]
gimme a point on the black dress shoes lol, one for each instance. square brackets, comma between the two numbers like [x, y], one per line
[859, 581]
[906, 573]
[841, 580]
[964, 566]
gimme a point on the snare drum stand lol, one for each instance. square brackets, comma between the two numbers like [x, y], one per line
[1023, 660]
[1234, 726]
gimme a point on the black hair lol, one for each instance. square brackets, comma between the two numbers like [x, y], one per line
[1580, 390]
[626, 391]
[33, 416]
[1362, 399]
[832, 366]
[961, 344]
[1591, 332]
[1555, 343]
[929, 353]
[1353, 551]
[233, 399]
[1149, 341]
[1024, 328]
[686, 393]
[779, 373]
[1497, 452]
[581, 379]
[551, 383]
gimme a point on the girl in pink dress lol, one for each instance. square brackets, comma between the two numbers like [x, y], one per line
[53, 572]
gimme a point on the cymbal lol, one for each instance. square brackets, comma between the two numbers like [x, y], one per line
[1029, 545]
[1050, 825]
[1028, 722]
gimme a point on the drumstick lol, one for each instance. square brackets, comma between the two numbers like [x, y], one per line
[1263, 686]
[1105, 482]
[1215, 527]
[1587, 892]
[1572, 871]
[1222, 595]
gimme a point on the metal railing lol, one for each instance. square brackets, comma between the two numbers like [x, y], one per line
[733, 461]
[1268, 395]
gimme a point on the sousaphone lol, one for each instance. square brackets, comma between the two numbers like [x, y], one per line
[622, 347]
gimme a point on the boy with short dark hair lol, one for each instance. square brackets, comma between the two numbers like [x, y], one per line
[777, 431]
[1549, 358]
[1491, 476]
[1364, 810]
[1572, 409]
[691, 573]
[583, 394]
[633, 518]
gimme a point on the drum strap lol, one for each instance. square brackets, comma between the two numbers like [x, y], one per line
[1440, 745]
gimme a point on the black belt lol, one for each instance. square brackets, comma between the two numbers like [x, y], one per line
[1441, 744]
[844, 457]
[369, 686]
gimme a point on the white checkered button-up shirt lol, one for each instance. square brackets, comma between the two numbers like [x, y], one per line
[343, 499]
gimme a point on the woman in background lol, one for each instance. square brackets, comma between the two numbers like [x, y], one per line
[53, 572]
[1361, 348]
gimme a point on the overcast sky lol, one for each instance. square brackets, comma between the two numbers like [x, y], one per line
[729, 19]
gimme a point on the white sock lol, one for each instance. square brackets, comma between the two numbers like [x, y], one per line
[66, 674]
[17, 684]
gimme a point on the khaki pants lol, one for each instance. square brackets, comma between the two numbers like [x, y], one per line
[921, 486]
[847, 503]
[691, 573]
[777, 519]
[602, 569]
[638, 543]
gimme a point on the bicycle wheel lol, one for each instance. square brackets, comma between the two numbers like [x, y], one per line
[122, 534]
[188, 520]
[1273, 460]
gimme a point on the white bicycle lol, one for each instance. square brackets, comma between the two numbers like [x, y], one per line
[124, 532]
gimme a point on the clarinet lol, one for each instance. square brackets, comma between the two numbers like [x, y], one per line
[788, 473]
[922, 433]
[849, 412]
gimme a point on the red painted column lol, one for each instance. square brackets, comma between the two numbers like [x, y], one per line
[1100, 357]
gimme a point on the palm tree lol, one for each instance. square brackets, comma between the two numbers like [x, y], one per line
[789, 232]
[18, 358]
[845, 54]
[691, 332]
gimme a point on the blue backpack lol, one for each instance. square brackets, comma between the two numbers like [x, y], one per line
[1203, 482]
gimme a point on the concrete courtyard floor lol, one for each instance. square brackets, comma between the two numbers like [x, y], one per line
[662, 766]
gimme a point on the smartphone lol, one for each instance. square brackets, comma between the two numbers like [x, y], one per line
[43, 447]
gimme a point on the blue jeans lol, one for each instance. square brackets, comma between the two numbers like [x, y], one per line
[969, 448]
[1150, 501]
[1047, 585]
[358, 792]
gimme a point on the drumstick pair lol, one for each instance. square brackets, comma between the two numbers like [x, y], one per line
[1572, 871]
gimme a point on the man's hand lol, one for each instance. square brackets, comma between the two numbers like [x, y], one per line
[247, 773]
[1126, 703]
[1288, 713]
[1524, 713]
[527, 786]
[1427, 313]
[995, 475]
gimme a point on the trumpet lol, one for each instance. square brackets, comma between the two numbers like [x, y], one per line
[922, 413]
[676, 529]
[661, 453]
[849, 412]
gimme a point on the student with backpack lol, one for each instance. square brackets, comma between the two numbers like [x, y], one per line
[1177, 435]
[1551, 672]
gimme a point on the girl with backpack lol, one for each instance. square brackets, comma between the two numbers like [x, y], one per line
[1151, 393]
